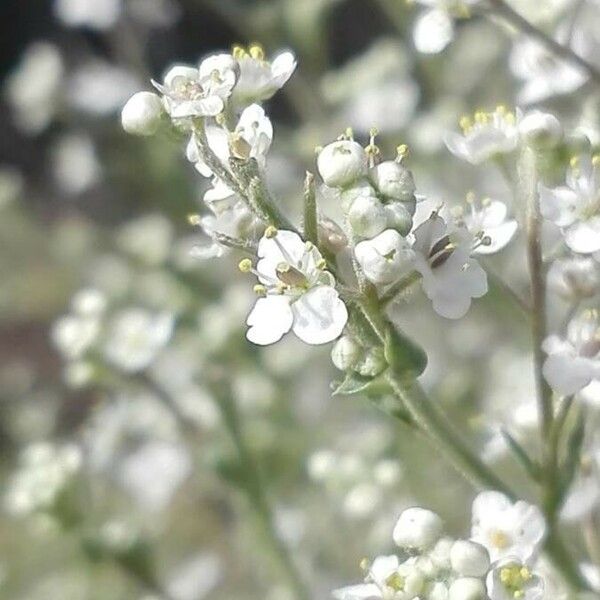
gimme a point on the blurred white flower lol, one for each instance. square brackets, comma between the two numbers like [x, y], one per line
[196, 578]
[259, 78]
[198, 92]
[99, 88]
[574, 361]
[485, 135]
[148, 238]
[508, 530]
[251, 138]
[451, 278]
[33, 89]
[155, 13]
[384, 258]
[135, 336]
[488, 222]
[44, 472]
[543, 74]
[575, 207]
[574, 278]
[153, 473]
[299, 294]
[583, 496]
[387, 579]
[74, 334]
[96, 14]
[510, 579]
[75, 163]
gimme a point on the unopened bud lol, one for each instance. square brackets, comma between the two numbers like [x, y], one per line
[346, 353]
[367, 216]
[393, 180]
[469, 559]
[541, 130]
[467, 588]
[142, 114]
[418, 528]
[341, 163]
[398, 217]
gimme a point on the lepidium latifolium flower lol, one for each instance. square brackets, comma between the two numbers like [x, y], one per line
[510, 579]
[507, 529]
[429, 566]
[485, 135]
[575, 207]
[297, 292]
[573, 362]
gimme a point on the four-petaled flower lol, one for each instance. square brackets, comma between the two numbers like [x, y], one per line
[507, 529]
[575, 208]
[485, 136]
[574, 362]
[451, 278]
[510, 579]
[297, 292]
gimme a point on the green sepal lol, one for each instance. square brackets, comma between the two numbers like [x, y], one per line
[359, 384]
[402, 354]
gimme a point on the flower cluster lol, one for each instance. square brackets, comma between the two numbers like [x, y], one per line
[495, 563]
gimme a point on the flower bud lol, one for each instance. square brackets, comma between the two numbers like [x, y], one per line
[398, 218]
[367, 216]
[541, 130]
[372, 364]
[417, 528]
[142, 114]
[469, 559]
[574, 279]
[346, 353]
[467, 588]
[341, 163]
[438, 591]
[384, 258]
[440, 554]
[578, 142]
[394, 181]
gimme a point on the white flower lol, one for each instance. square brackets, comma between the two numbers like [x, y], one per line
[511, 579]
[451, 278]
[387, 580]
[33, 89]
[231, 217]
[575, 208]
[487, 221]
[198, 92]
[574, 362]
[584, 493]
[507, 529]
[574, 278]
[74, 334]
[541, 129]
[44, 472]
[142, 114]
[417, 528]
[135, 337]
[258, 78]
[384, 258]
[299, 294]
[96, 14]
[485, 136]
[543, 74]
[75, 163]
[342, 163]
[251, 138]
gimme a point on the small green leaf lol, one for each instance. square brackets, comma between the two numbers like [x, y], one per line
[358, 384]
[402, 354]
[530, 466]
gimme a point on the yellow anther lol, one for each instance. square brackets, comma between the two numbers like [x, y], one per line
[510, 118]
[260, 289]
[525, 573]
[373, 132]
[238, 52]
[501, 109]
[194, 220]
[256, 51]
[245, 265]
[480, 117]
[318, 150]
[349, 133]
[270, 232]
[465, 123]
[596, 160]
[505, 575]
[364, 564]
[402, 150]
[519, 594]
[221, 119]
[470, 197]
[321, 264]
[309, 246]
[486, 201]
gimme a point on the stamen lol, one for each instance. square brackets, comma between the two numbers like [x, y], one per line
[245, 265]
[194, 220]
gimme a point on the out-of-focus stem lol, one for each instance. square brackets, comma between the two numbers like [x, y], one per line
[502, 9]
[254, 489]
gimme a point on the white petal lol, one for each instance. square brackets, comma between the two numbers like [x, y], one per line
[584, 237]
[365, 591]
[433, 31]
[567, 374]
[558, 205]
[319, 315]
[270, 319]
[500, 236]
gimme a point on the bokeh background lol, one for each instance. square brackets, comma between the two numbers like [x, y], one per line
[106, 461]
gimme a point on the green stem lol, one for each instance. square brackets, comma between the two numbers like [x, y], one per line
[311, 229]
[254, 489]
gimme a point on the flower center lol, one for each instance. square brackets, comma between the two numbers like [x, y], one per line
[499, 539]
[514, 579]
[291, 276]
[395, 582]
